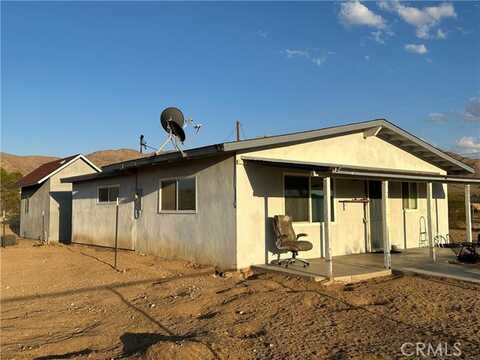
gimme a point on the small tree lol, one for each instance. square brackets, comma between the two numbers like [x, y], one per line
[10, 195]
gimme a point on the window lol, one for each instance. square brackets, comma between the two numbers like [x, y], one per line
[304, 196]
[108, 194]
[296, 198]
[27, 205]
[178, 195]
[410, 195]
[316, 193]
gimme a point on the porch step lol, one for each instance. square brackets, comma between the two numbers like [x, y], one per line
[445, 275]
[317, 277]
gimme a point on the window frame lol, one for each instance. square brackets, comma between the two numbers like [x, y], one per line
[107, 187]
[176, 179]
[333, 185]
[409, 187]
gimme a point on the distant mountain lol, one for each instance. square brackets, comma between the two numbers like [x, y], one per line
[22, 164]
[28, 163]
[474, 163]
[106, 157]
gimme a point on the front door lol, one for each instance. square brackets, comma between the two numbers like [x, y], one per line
[375, 203]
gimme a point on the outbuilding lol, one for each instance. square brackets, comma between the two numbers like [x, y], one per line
[355, 188]
[46, 202]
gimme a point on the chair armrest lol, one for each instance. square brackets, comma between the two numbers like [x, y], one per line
[301, 235]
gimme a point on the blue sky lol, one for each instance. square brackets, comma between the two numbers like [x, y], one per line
[80, 77]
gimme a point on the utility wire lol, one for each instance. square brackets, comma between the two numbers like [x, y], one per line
[230, 136]
[242, 131]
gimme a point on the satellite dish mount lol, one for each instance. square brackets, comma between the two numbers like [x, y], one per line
[173, 122]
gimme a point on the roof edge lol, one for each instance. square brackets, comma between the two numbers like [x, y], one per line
[79, 156]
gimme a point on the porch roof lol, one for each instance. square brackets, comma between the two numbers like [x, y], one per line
[351, 171]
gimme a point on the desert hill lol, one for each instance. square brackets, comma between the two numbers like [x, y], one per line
[28, 163]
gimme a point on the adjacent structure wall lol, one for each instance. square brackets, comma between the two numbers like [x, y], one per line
[260, 197]
[60, 219]
[205, 237]
[34, 224]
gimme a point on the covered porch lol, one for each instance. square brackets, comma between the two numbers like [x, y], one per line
[376, 260]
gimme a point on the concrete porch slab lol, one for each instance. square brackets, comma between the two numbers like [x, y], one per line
[345, 269]
[361, 267]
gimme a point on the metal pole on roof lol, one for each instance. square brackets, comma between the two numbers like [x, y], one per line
[116, 234]
[237, 129]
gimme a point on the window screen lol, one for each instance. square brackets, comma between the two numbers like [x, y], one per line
[186, 194]
[178, 195]
[113, 193]
[103, 195]
[169, 195]
[296, 198]
[108, 194]
[410, 195]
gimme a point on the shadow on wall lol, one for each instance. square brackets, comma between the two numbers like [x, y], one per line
[267, 183]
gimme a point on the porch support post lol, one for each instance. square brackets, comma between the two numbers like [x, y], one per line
[385, 228]
[327, 216]
[468, 213]
[431, 245]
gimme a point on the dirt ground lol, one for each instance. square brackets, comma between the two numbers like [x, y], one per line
[60, 302]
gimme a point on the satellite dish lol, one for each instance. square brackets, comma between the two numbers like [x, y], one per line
[172, 121]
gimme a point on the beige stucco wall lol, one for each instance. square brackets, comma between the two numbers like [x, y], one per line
[351, 149]
[94, 223]
[205, 237]
[260, 197]
[33, 223]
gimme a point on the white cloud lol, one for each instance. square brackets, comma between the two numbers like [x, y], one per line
[470, 113]
[355, 13]
[438, 117]
[262, 33]
[292, 53]
[378, 36]
[441, 34]
[472, 109]
[416, 49]
[469, 143]
[422, 19]
[317, 60]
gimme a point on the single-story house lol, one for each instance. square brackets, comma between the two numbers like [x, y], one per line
[46, 202]
[353, 189]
